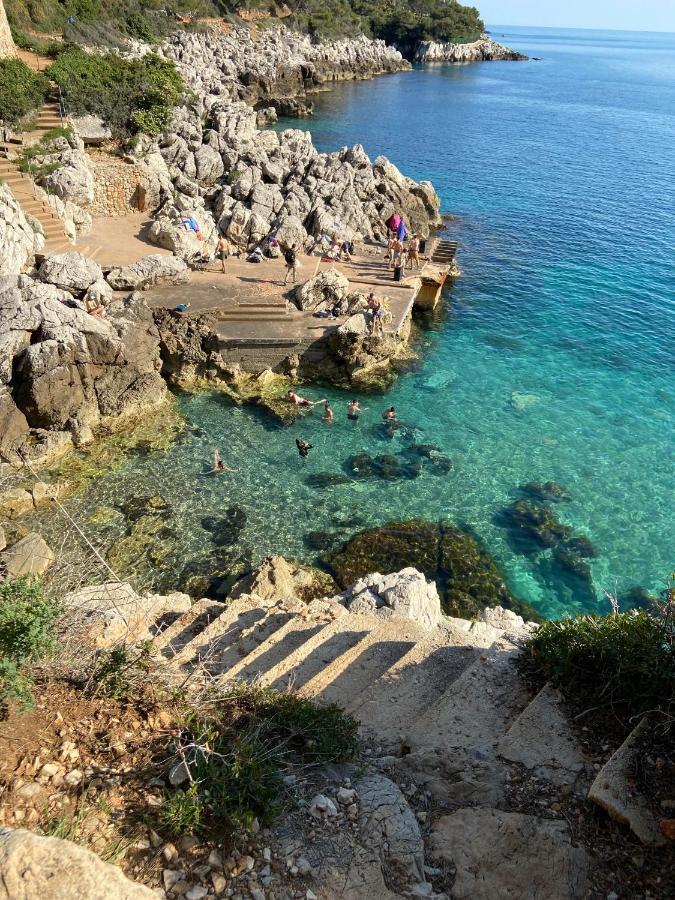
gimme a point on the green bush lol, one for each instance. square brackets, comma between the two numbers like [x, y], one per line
[27, 620]
[131, 95]
[622, 663]
[236, 755]
[22, 90]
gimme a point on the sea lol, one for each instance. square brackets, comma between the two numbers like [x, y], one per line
[552, 358]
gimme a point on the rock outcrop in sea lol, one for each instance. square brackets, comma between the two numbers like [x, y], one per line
[482, 50]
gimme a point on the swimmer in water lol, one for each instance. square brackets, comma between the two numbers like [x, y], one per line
[389, 415]
[219, 465]
[327, 412]
[292, 397]
[303, 448]
[354, 410]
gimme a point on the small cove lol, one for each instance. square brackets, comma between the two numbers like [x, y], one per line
[552, 357]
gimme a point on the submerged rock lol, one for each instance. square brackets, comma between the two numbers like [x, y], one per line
[136, 507]
[536, 522]
[321, 540]
[468, 578]
[361, 465]
[548, 491]
[581, 545]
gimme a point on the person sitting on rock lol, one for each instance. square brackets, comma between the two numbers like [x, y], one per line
[94, 307]
[346, 250]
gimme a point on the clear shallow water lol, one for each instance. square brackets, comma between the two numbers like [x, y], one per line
[562, 175]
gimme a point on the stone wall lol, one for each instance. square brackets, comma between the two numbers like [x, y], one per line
[7, 47]
[119, 189]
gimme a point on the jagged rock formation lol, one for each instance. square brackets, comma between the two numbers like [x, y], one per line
[218, 168]
[64, 372]
[482, 50]
[19, 241]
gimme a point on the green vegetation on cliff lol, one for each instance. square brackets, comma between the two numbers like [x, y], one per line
[131, 95]
[400, 22]
[22, 91]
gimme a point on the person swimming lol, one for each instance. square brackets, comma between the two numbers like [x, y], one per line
[389, 415]
[303, 447]
[218, 464]
[292, 397]
[327, 412]
[354, 410]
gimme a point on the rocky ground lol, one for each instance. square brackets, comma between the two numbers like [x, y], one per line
[467, 784]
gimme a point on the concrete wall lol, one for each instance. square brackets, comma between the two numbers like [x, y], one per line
[7, 47]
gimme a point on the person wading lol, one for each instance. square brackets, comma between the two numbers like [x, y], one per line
[291, 259]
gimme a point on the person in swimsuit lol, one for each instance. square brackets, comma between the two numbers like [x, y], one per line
[376, 314]
[218, 464]
[391, 244]
[303, 448]
[327, 413]
[223, 250]
[354, 410]
[292, 397]
[389, 415]
[413, 252]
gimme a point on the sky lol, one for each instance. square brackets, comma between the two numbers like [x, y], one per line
[623, 15]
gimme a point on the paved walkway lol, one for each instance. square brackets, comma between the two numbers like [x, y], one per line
[122, 240]
[252, 302]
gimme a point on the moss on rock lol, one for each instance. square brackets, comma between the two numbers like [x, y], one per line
[468, 578]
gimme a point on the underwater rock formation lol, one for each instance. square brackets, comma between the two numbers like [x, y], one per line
[468, 578]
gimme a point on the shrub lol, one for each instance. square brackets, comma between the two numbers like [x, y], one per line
[27, 620]
[131, 95]
[235, 756]
[621, 663]
[22, 90]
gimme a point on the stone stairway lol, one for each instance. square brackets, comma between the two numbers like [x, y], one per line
[443, 704]
[22, 186]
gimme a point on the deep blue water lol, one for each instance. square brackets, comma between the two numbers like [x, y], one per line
[562, 176]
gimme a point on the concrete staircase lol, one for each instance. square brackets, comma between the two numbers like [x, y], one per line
[22, 186]
[443, 708]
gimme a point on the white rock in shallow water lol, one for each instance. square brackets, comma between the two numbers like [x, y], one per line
[521, 402]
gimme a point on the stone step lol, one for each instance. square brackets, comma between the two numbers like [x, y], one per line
[225, 629]
[477, 708]
[303, 660]
[406, 690]
[355, 670]
[291, 639]
[615, 789]
[171, 640]
[236, 655]
[541, 740]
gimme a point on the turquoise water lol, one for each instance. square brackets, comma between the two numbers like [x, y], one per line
[562, 176]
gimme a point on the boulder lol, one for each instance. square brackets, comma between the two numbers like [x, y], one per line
[278, 579]
[46, 868]
[114, 613]
[70, 271]
[505, 854]
[405, 594]
[29, 556]
[18, 240]
[15, 502]
[329, 287]
[156, 268]
[72, 180]
[355, 325]
[92, 129]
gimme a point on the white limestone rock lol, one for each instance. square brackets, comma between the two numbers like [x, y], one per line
[156, 268]
[405, 594]
[70, 271]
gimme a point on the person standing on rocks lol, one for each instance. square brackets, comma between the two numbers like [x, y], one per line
[223, 250]
[291, 259]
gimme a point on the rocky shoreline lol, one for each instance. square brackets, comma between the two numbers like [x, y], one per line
[482, 50]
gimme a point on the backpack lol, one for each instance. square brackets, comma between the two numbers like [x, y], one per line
[289, 256]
